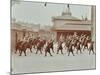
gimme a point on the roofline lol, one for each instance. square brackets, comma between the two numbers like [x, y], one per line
[78, 24]
[67, 19]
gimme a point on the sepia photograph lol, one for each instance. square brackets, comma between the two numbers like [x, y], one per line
[52, 37]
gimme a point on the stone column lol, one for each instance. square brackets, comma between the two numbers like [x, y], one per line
[93, 27]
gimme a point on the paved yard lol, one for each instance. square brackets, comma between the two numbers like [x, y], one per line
[58, 62]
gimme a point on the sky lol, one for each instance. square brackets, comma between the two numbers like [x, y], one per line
[37, 13]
